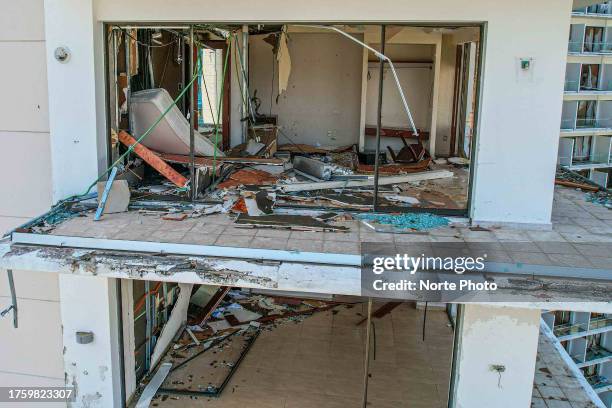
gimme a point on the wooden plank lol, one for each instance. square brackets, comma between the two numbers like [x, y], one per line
[153, 160]
[381, 312]
[571, 184]
[396, 132]
[208, 161]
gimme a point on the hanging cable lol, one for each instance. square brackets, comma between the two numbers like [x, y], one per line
[243, 72]
[380, 56]
[144, 44]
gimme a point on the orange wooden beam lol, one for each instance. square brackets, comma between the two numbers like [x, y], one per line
[153, 160]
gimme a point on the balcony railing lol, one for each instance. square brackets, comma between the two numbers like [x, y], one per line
[601, 9]
[597, 353]
[590, 47]
[600, 323]
[598, 381]
[568, 328]
[585, 123]
[576, 86]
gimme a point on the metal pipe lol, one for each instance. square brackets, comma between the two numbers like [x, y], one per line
[115, 80]
[366, 363]
[245, 82]
[127, 46]
[380, 56]
[165, 291]
[149, 327]
[244, 76]
[161, 27]
[381, 71]
[194, 189]
[13, 305]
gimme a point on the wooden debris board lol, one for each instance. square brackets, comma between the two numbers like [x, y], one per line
[248, 177]
[153, 160]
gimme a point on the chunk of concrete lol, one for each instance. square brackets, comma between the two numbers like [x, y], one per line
[118, 196]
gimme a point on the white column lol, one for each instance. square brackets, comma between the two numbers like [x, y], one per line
[72, 95]
[89, 304]
[496, 357]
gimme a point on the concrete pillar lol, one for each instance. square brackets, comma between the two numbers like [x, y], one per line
[73, 115]
[90, 304]
[496, 355]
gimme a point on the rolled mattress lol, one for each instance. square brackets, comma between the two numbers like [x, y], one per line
[171, 135]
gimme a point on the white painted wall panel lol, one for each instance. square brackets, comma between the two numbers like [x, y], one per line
[22, 20]
[322, 103]
[32, 353]
[35, 347]
[25, 170]
[23, 81]
[8, 223]
[31, 285]
[492, 335]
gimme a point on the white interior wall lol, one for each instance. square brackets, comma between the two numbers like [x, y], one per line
[450, 40]
[417, 81]
[496, 336]
[322, 104]
[25, 175]
[90, 304]
[507, 95]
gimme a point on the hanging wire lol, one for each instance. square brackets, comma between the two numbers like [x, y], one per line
[144, 44]
[272, 84]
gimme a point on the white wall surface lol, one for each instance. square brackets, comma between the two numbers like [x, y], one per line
[32, 353]
[76, 98]
[89, 303]
[322, 104]
[491, 335]
[516, 109]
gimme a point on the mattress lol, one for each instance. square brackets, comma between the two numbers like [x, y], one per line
[171, 135]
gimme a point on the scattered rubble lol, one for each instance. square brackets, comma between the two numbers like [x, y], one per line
[222, 325]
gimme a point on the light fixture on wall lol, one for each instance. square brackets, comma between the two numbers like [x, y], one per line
[62, 54]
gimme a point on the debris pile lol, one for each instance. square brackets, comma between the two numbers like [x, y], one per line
[595, 194]
[222, 325]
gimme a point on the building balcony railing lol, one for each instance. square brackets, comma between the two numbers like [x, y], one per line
[598, 382]
[597, 353]
[590, 47]
[600, 323]
[602, 9]
[576, 86]
[585, 123]
[569, 328]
